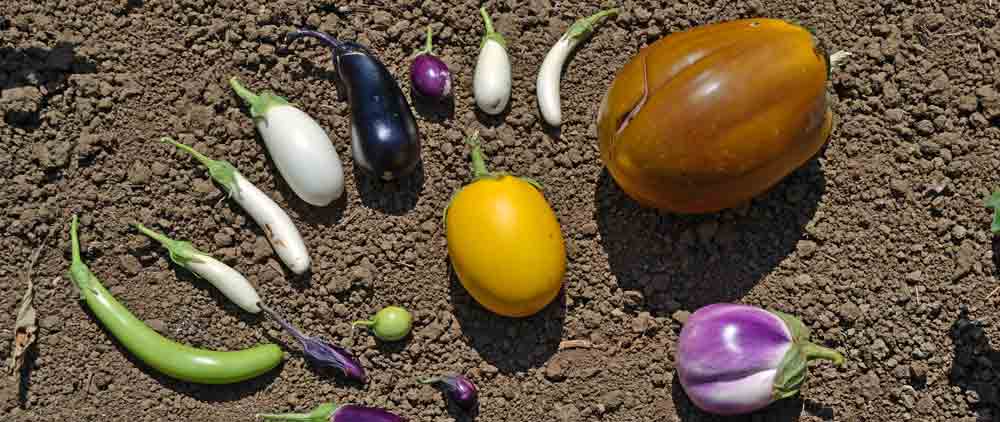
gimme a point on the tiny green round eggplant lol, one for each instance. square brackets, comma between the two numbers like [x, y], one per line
[392, 323]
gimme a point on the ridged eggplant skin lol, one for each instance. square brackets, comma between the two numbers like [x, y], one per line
[708, 118]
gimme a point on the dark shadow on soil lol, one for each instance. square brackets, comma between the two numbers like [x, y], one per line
[46, 69]
[688, 261]
[435, 110]
[396, 197]
[511, 344]
[201, 392]
[975, 367]
[30, 357]
[787, 410]
[490, 120]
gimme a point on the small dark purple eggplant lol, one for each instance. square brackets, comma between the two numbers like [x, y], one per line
[462, 391]
[385, 139]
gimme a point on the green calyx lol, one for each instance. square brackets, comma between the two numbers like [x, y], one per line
[429, 46]
[259, 104]
[794, 366]
[480, 171]
[491, 34]
[181, 252]
[585, 26]
[321, 413]
[223, 172]
[82, 278]
[993, 201]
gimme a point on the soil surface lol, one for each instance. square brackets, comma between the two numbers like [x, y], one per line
[881, 244]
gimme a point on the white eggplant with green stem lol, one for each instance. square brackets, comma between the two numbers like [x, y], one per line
[279, 228]
[299, 147]
[491, 78]
[230, 282]
[550, 74]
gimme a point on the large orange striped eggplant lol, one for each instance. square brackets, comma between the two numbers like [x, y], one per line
[708, 118]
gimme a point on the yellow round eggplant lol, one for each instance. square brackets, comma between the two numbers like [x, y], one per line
[504, 241]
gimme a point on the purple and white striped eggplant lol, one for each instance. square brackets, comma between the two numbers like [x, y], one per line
[329, 412]
[734, 359]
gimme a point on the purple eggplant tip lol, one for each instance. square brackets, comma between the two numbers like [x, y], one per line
[319, 351]
[459, 388]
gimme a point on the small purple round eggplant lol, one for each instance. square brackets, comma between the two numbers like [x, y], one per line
[429, 75]
[329, 412]
[459, 388]
[735, 359]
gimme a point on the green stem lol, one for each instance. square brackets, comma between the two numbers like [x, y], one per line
[202, 158]
[429, 380]
[366, 323]
[221, 171]
[491, 34]
[429, 46]
[78, 271]
[244, 93]
[75, 242]
[815, 351]
[181, 252]
[487, 21]
[478, 162]
[586, 25]
[321, 413]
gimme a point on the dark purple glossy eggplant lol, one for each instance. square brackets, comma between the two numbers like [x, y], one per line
[385, 139]
[329, 412]
[462, 391]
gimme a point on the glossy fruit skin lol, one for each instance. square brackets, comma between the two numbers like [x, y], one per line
[732, 108]
[505, 245]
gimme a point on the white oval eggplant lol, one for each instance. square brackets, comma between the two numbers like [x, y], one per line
[491, 80]
[299, 147]
[230, 282]
[549, 75]
[279, 228]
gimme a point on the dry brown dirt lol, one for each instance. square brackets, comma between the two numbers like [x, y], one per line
[877, 244]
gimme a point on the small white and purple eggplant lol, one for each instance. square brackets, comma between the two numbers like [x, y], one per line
[329, 412]
[429, 75]
[299, 147]
[734, 359]
[385, 139]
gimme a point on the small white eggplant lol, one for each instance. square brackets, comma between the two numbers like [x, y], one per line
[491, 81]
[549, 75]
[278, 226]
[300, 148]
[230, 282]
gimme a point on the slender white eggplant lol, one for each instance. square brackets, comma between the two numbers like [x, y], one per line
[491, 81]
[229, 281]
[549, 75]
[277, 225]
[299, 147]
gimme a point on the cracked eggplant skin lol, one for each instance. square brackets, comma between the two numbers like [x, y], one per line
[732, 109]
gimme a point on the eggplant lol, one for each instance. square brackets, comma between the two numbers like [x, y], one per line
[385, 139]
